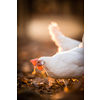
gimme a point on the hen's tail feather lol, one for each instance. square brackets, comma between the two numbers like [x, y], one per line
[55, 33]
[64, 43]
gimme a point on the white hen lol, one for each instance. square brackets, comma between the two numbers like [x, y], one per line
[63, 65]
[64, 43]
[68, 64]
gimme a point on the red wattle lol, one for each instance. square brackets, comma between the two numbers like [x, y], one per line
[39, 67]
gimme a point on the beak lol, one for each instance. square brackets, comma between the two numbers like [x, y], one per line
[33, 61]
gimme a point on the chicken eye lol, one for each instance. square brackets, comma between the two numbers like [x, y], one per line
[38, 62]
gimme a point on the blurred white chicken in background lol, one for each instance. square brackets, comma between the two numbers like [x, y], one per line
[64, 43]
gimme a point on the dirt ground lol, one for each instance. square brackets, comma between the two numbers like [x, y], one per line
[35, 87]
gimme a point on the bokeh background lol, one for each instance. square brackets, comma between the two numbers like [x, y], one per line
[33, 17]
[33, 39]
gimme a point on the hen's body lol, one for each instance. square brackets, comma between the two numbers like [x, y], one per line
[69, 62]
[65, 65]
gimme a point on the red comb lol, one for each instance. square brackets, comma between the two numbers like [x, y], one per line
[33, 61]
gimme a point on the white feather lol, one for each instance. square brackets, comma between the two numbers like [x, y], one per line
[64, 43]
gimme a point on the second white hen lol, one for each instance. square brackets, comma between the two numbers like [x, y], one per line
[64, 43]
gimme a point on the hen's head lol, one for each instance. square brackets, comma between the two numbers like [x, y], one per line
[37, 63]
